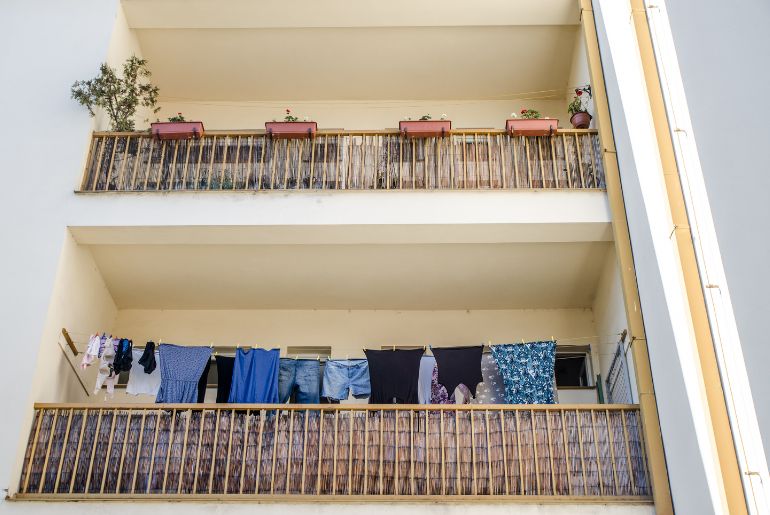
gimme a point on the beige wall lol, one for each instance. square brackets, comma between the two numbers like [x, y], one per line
[81, 303]
[578, 75]
[610, 318]
[355, 115]
[347, 332]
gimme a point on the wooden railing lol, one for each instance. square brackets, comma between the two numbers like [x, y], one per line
[343, 161]
[576, 453]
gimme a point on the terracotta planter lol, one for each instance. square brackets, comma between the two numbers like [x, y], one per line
[425, 128]
[291, 129]
[533, 127]
[581, 120]
[177, 130]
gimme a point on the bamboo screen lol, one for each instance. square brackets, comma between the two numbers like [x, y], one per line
[84, 452]
[348, 161]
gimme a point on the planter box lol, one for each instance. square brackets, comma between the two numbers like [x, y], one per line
[534, 127]
[425, 128]
[177, 130]
[291, 129]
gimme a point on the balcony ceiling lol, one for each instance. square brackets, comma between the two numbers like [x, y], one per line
[407, 277]
[362, 50]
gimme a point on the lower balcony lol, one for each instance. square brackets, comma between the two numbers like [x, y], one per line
[344, 160]
[572, 453]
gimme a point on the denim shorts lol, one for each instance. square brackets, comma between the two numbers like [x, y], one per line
[343, 377]
[301, 377]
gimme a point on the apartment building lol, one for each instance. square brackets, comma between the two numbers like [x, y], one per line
[315, 212]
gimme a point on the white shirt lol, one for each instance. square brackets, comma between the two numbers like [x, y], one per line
[140, 382]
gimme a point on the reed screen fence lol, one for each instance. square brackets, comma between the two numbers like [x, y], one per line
[134, 161]
[83, 452]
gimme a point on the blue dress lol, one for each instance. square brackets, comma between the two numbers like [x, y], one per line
[255, 376]
[527, 370]
[180, 370]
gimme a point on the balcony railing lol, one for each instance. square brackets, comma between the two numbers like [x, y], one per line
[343, 161]
[576, 453]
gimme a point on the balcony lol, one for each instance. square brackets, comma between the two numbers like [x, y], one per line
[342, 160]
[591, 453]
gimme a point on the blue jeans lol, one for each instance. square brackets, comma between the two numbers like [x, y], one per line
[302, 376]
[344, 377]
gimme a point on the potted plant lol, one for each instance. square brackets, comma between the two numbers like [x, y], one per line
[177, 128]
[118, 96]
[425, 127]
[579, 117]
[291, 127]
[530, 124]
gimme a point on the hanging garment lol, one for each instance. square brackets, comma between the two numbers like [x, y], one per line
[424, 383]
[438, 393]
[527, 370]
[203, 382]
[491, 390]
[93, 349]
[148, 360]
[123, 356]
[180, 371]
[345, 377]
[459, 365]
[394, 375]
[106, 374]
[224, 377]
[255, 376]
[141, 383]
[301, 377]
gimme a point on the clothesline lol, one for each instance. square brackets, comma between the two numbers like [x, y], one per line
[231, 349]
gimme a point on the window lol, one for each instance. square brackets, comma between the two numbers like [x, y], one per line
[573, 367]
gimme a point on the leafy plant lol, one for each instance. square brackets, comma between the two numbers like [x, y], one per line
[118, 96]
[530, 114]
[577, 106]
[290, 117]
[425, 117]
[178, 118]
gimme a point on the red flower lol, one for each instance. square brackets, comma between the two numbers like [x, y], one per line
[523, 111]
[578, 92]
[288, 111]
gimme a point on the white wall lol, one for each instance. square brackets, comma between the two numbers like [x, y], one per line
[684, 461]
[731, 157]
[41, 147]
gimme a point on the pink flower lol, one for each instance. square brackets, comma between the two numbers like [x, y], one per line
[523, 111]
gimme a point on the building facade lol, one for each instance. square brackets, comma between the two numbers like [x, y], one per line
[624, 242]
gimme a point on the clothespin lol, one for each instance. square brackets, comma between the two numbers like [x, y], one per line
[553, 339]
[394, 348]
[318, 357]
[522, 340]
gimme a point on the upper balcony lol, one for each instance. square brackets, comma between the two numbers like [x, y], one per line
[344, 160]
[353, 70]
